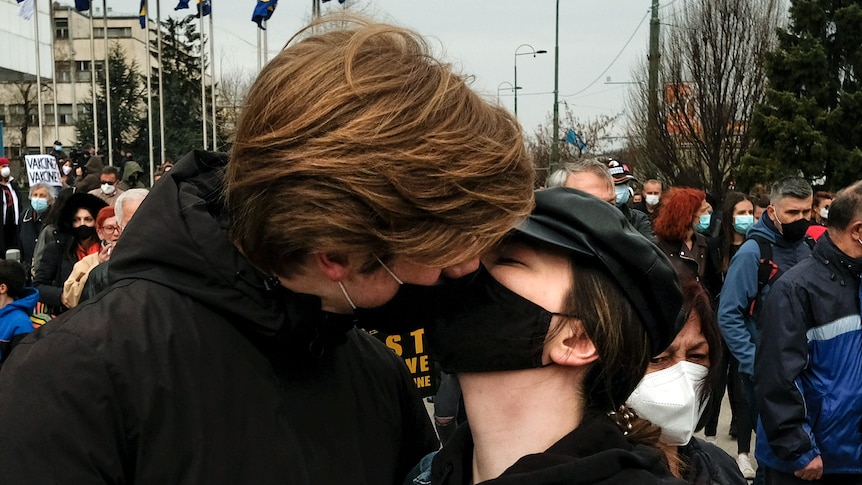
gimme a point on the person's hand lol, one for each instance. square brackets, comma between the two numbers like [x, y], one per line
[812, 471]
[105, 253]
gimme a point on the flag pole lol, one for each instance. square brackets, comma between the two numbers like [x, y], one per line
[38, 76]
[108, 83]
[161, 86]
[149, 94]
[203, 76]
[212, 78]
[265, 44]
[54, 75]
[259, 63]
[93, 83]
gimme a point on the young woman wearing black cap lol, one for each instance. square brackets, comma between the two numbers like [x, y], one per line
[549, 338]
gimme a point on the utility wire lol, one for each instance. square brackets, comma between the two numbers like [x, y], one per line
[614, 60]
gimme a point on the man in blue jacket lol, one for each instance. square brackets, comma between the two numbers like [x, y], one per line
[808, 365]
[783, 227]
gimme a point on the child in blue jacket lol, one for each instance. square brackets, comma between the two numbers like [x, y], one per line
[16, 304]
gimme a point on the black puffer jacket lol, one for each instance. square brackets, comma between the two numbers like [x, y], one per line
[194, 368]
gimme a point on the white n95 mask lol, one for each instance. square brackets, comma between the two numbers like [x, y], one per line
[669, 399]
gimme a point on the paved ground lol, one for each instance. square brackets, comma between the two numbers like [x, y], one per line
[723, 439]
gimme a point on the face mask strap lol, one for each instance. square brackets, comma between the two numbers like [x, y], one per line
[388, 271]
[346, 296]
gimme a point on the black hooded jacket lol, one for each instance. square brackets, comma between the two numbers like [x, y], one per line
[195, 368]
[596, 452]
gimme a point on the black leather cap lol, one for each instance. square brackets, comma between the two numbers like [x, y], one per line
[596, 230]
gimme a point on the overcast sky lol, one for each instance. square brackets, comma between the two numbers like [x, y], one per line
[479, 36]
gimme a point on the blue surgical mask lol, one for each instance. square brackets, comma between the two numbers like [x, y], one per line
[703, 225]
[742, 223]
[59, 148]
[623, 194]
[39, 204]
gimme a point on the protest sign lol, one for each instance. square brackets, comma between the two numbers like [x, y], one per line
[42, 168]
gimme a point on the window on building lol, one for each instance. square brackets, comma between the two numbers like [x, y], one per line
[16, 114]
[61, 28]
[64, 114]
[113, 32]
[82, 70]
[63, 71]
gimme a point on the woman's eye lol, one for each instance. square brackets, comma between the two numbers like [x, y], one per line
[697, 357]
[658, 360]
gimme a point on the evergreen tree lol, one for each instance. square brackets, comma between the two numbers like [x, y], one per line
[810, 122]
[181, 87]
[127, 105]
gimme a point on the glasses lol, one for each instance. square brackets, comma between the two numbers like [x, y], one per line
[109, 183]
[111, 229]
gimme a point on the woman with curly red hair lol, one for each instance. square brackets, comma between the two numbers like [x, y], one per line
[684, 215]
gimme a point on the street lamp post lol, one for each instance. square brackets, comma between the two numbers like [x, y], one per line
[532, 52]
[555, 141]
[505, 85]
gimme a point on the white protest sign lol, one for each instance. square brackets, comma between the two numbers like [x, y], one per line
[42, 168]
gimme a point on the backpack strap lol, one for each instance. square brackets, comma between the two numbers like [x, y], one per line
[766, 271]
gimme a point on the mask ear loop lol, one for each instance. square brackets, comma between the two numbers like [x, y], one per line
[346, 296]
[389, 271]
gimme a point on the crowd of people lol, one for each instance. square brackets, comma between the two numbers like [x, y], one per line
[586, 330]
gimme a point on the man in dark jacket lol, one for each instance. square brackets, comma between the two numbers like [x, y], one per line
[622, 178]
[227, 348]
[809, 360]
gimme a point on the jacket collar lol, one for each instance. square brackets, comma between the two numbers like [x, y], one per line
[828, 253]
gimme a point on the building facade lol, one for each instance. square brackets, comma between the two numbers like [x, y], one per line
[66, 79]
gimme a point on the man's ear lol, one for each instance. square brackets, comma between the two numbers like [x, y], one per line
[571, 346]
[4, 290]
[335, 266]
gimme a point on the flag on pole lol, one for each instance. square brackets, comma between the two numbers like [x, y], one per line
[27, 9]
[573, 138]
[81, 5]
[143, 14]
[263, 11]
[204, 5]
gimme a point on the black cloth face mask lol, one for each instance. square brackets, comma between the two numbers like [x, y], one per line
[83, 232]
[489, 328]
[794, 231]
[412, 307]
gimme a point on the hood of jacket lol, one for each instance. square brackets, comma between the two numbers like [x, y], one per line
[178, 239]
[26, 303]
[764, 228]
[130, 169]
[594, 453]
[94, 166]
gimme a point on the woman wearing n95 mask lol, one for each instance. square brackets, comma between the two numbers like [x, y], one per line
[676, 390]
